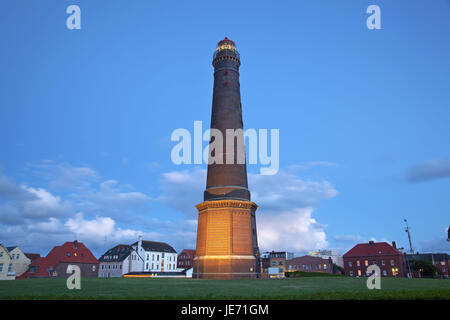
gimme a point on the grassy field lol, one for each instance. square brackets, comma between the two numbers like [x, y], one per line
[298, 288]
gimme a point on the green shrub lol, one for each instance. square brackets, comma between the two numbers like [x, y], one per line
[297, 274]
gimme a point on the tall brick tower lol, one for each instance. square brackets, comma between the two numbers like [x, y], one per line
[227, 245]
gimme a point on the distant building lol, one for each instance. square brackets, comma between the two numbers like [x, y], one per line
[391, 261]
[274, 259]
[152, 256]
[265, 263]
[310, 264]
[325, 254]
[6, 272]
[186, 259]
[115, 262]
[56, 262]
[20, 262]
[439, 260]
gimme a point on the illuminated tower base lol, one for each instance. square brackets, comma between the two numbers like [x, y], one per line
[226, 236]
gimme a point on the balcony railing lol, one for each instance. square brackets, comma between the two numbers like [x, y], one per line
[226, 53]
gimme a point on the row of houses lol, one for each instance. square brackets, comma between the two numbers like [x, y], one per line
[14, 262]
[143, 257]
[392, 261]
[152, 258]
[276, 264]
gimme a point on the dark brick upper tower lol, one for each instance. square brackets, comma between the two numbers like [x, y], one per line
[227, 181]
[227, 246]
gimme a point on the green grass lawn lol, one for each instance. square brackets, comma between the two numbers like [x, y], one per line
[294, 288]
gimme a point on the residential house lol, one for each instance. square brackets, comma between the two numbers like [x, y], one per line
[152, 256]
[186, 259]
[326, 254]
[274, 259]
[115, 262]
[391, 261]
[6, 272]
[309, 264]
[57, 261]
[20, 262]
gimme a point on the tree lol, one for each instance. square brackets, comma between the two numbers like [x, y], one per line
[337, 269]
[425, 268]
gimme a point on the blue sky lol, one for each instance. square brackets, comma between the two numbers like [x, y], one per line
[86, 117]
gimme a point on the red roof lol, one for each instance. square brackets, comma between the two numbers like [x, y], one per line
[226, 40]
[69, 252]
[372, 249]
[32, 256]
[189, 252]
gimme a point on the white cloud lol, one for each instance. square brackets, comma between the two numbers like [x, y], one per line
[182, 190]
[285, 218]
[286, 205]
[293, 230]
[102, 231]
[111, 199]
[63, 175]
[286, 191]
[44, 205]
[52, 225]
[22, 202]
[40, 218]
[97, 228]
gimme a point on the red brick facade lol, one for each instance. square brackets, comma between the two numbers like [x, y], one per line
[309, 264]
[391, 261]
[185, 259]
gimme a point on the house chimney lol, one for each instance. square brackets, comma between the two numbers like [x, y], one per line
[371, 242]
[394, 244]
[139, 246]
[75, 244]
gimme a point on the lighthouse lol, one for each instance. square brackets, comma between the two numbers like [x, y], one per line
[227, 244]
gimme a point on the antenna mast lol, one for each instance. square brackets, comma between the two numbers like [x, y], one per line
[409, 237]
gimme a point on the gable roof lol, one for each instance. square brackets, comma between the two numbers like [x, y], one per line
[372, 249]
[11, 248]
[5, 249]
[32, 256]
[156, 246]
[189, 252]
[117, 253]
[69, 252]
[308, 259]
